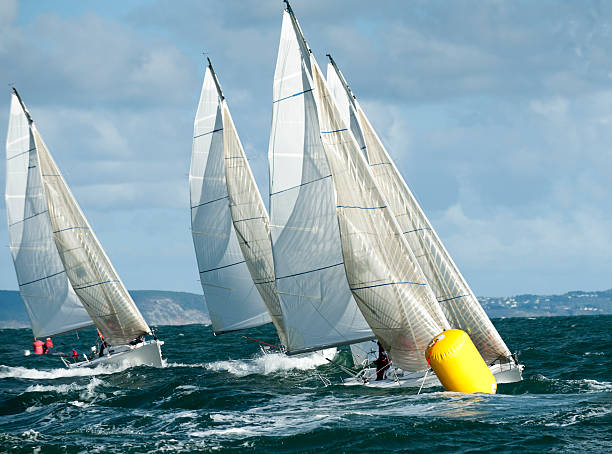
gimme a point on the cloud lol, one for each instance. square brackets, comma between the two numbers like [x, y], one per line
[497, 114]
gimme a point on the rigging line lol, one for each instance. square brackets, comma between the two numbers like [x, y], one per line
[207, 133]
[265, 343]
[221, 267]
[292, 96]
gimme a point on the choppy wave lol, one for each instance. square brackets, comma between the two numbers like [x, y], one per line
[221, 394]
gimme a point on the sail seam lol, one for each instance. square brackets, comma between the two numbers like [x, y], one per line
[42, 278]
[207, 133]
[310, 271]
[221, 267]
[331, 132]
[300, 185]
[388, 283]
[93, 285]
[292, 96]
[210, 201]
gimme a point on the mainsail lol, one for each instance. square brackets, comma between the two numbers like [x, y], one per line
[216, 220]
[50, 301]
[458, 302]
[318, 308]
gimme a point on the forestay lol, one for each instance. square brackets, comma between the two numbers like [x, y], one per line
[317, 305]
[89, 270]
[382, 271]
[50, 301]
[457, 300]
[231, 297]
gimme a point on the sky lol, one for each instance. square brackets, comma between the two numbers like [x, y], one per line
[497, 113]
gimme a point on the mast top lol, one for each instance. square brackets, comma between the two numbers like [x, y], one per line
[342, 79]
[214, 74]
[25, 109]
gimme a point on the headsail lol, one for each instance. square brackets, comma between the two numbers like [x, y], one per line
[231, 296]
[458, 302]
[382, 272]
[317, 305]
[89, 270]
[50, 301]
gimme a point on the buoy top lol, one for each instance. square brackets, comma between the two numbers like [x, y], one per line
[448, 342]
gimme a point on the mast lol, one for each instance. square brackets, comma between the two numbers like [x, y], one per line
[214, 75]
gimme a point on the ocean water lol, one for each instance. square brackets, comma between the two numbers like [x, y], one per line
[219, 394]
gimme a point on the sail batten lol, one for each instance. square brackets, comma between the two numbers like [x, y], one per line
[51, 303]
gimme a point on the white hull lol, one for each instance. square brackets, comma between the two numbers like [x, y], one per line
[504, 373]
[145, 354]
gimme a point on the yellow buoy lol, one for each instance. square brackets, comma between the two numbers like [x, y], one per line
[458, 364]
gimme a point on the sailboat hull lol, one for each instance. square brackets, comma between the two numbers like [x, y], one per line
[145, 354]
[504, 373]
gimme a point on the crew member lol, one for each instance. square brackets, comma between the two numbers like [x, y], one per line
[49, 343]
[381, 363]
[75, 354]
[38, 347]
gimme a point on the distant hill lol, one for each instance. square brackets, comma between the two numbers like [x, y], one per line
[180, 308]
[571, 303]
[158, 308]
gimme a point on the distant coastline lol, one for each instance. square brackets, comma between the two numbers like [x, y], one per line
[181, 308]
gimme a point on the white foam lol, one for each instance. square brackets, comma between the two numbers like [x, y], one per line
[36, 374]
[273, 362]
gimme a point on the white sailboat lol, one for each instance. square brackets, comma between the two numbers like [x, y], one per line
[460, 305]
[390, 287]
[230, 225]
[65, 278]
[319, 310]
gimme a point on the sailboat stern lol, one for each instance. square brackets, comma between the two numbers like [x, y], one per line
[458, 364]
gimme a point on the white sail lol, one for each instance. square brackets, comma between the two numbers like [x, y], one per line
[317, 305]
[382, 272]
[231, 296]
[89, 270]
[251, 222]
[50, 301]
[458, 302]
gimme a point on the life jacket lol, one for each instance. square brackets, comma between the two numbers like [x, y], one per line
[38, 347]
[74, 353]
[49, 343]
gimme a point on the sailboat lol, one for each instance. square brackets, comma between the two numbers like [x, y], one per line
[65, 278]
[406, 300]
[230, 225]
